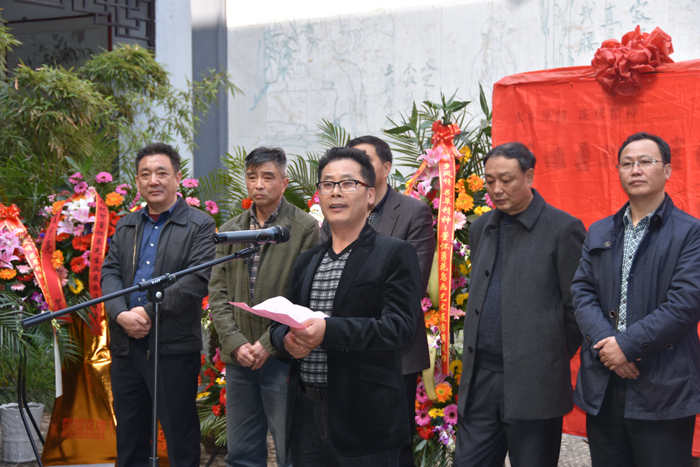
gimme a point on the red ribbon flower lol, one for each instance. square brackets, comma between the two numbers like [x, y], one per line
[619, 66]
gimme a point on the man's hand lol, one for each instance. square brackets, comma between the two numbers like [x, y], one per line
[141, 311]
[243, 355]
[134, 324]
[311, 335]
[260, 354]
[614, 359]
[294, 349]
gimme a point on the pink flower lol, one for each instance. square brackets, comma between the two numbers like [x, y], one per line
[426, 304]
[458, 282]
[121, 189]
[456, 312]
[190, 183]
[192, 201]
[103, 177]
[489, 203]
[422, 417]
[459, 220]
[433, 156]
[211, 207]
[17, 287]
[62, 275]
[216, 356]
[450, 414]
[421, 395]
[81, 187]
[86, 258]
[436, 203]
[414, 194]
[23, 269]
[75, 178]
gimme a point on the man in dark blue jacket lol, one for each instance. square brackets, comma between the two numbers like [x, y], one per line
[637, 302]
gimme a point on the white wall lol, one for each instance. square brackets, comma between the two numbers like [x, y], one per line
[174, 50]
[356, 66]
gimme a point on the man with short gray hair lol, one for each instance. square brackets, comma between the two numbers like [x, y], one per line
[255, 383]
[519, 328]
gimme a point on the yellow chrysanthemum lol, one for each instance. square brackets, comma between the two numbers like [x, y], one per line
[464, 202]
[7, 274]
[56, 207]
[459, 186]
[443, 391]
[475, 183]
[220, 381]
[114, 199]
[435, 412]
[460, 298]
[57, 259]
[463, 269]
[466, 154]
[202, 395]
[479, 210]
[456, 370]
[456, 367]
[79, 287]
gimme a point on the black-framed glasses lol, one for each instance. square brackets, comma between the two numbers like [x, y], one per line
[326, 187]
[643, 164]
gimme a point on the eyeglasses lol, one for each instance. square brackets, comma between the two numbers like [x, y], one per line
[643, 164]
[327, 187]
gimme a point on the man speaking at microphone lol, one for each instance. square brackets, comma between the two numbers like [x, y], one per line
[255, 383]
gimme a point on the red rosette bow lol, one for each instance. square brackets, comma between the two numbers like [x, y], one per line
[619, 66]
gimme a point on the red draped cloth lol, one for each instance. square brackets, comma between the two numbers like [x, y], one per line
[574, 126]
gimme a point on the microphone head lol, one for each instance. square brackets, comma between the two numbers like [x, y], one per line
[284, 233]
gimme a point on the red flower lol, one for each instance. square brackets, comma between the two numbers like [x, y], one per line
[62, 237]
[113, 218]
[220, 365]
[210, 373]
[426, 432]
[246, 203]
[26, 277]
[216, 409]
[82, 243]
[222, 396]
[203, 360]
[77, 264]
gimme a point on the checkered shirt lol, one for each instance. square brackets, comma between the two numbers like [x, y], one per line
[633, 237]
[255, 259]
[314, 367]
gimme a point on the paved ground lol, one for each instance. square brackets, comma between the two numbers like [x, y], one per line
[574, 453]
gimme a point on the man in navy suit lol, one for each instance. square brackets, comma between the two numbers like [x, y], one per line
[346, 400]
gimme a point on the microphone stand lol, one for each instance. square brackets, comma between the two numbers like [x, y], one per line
[156, 294]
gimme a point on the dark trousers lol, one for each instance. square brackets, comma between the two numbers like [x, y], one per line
[132, 387]
[410, 383]
[616, 441]
[484, 435]
[311, 443]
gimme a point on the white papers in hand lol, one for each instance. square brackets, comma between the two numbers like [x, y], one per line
[283, 311]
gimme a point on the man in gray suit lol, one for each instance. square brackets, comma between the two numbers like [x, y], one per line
[519, 328]
[409, 219]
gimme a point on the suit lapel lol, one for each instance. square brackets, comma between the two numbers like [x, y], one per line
[390, 214]
[353, 265]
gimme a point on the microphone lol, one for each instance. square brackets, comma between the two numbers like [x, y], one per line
[276, 234]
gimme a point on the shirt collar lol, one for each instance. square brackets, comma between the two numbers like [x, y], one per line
[378, 207]
[643, 222]
[270, 219]
[163, 215]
